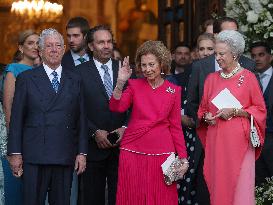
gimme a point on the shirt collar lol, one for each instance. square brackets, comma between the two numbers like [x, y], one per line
[268, 72]
[98, 64]
[49, 71]
[75, 56]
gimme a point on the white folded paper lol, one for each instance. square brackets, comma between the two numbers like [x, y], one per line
[225, 99]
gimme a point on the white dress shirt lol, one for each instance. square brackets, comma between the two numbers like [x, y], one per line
[265, 77]
[49, 71]
[217, 67]
[101, 70]
[76, 58]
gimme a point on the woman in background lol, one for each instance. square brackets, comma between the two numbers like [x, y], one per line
[205, 45]
[28, 46]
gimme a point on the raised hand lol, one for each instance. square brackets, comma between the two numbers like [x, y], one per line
[125, 71]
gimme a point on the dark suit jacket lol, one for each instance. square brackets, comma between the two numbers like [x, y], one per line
[200, 70]
[67, 61]
[97, 107]
[48, 128]
[270, 98]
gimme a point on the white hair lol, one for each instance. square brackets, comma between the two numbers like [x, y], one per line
[49, 32]
[234, 40]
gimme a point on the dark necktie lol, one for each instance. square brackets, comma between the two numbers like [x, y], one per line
[81, 59]
[107, 81]
[55, 82]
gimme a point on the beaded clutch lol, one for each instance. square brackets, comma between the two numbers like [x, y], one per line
[174, 169]
[254, 137]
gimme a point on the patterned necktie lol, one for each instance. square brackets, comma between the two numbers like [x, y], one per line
[81, 59]
[55, 83]
[107, 81]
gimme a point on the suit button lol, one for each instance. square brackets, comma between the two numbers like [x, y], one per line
[67, 127]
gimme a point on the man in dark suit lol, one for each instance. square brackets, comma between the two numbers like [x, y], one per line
[261, 53]
[99, 77]
[200, 70]
[76, 30]
[48, 130]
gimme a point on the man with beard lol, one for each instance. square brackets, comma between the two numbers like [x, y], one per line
[99, 77]
[181, 58]
[76, 30]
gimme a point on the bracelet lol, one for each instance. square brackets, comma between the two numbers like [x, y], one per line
[235, 112]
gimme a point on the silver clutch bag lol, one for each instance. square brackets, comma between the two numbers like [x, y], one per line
[254, 137]
[174, 169]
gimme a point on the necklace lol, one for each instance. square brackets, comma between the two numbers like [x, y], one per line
[232, 73]
[156, 85]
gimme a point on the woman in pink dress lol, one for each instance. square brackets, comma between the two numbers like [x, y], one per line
[154, 130]
[229, 166]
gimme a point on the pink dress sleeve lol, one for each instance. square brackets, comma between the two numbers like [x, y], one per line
[175, 126]
[124, 102]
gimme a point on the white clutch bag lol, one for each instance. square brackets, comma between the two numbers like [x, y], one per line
[254, 137]
[174, 169]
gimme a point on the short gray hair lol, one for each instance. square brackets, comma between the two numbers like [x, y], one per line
[234, 40]
[49, 32]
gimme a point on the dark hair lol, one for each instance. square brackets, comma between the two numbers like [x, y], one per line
[92, 31]
[261, 44]
[181, 44]
[218, 23]
[78, 22]
[206, 24]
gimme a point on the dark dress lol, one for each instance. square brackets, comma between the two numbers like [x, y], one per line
[186, 187]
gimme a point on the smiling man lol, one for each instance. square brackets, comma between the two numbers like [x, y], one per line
[48, 135]
[99, 77]
[76, 30]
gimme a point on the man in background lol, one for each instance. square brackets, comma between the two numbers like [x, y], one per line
[261, 54]
[76, 30]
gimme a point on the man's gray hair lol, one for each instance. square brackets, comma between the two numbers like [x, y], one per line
[234, 40]
[49, 32]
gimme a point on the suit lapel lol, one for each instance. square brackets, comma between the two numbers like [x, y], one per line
[115, 67]
[208, 66]
[94, 72]
[44, 86]
[270, 94]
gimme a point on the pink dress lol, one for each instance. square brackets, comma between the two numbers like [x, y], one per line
[229, 164]
[154, 131]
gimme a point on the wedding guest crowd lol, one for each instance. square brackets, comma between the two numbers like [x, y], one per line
[84, 126]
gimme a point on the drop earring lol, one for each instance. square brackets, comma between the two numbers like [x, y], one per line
[162, 73]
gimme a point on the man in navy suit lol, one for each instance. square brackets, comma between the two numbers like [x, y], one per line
[200, 70]
[99, 77]
[48, 135]
[76, 30]
[261, 53]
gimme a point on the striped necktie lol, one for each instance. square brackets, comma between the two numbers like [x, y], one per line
[107, 81]
[55, 82]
